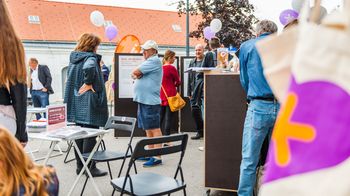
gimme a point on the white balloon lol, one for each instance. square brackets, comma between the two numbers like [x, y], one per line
[215, 25]
[297, 5]
[97, 18]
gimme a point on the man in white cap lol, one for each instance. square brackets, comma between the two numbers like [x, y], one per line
[148, 79]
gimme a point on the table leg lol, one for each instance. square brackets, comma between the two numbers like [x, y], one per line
[85, 166]
[54, 143]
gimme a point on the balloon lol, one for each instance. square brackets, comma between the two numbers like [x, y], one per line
[288, 15]
[208, 34]
[111, 32]
[215, 25]
[297, 4]
[323, 13]
[97, 18]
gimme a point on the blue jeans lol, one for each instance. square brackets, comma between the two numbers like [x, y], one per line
[41, 100]
[258, 125]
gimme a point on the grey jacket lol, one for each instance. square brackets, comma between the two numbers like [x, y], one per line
[89, 108]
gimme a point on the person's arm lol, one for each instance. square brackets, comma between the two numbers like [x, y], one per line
[48, 76]
[176, 77]
[89, 71]
[18, 93]
[243, 76]
[146, 67]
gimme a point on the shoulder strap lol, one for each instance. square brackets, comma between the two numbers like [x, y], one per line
[166, 95]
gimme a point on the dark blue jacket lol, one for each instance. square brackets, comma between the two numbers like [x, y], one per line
[105, 72]
[89, 108]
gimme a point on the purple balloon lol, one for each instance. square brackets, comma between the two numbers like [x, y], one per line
[288, 15]
[111, 32]
[113, 86]
[208, 34]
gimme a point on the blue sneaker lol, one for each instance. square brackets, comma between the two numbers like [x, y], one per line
[143, 159]
[152, 162]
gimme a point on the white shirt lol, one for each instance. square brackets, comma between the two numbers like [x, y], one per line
[36, 84]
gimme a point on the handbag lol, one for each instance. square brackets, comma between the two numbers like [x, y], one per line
[176, 102]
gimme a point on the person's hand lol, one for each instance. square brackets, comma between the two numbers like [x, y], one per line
[44, 89]
[85, 88]
[24, 144]
[133, 76]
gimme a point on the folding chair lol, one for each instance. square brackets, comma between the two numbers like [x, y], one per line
[120, 123]
[147, 183]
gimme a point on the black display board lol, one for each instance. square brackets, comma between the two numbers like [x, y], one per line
[225, 109]
[125, 106]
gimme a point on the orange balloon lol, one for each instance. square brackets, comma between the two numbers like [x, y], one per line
[129, 44]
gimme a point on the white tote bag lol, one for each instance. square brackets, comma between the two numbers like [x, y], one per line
[309, 152]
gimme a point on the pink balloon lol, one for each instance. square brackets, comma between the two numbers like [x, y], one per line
[208, 34]
[111, 32]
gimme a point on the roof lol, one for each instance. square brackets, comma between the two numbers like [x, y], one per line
[66, 21]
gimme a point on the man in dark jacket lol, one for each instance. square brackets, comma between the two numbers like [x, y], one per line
[195, 96]
[40, 84]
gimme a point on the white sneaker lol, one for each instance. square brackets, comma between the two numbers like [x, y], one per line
[201, 148]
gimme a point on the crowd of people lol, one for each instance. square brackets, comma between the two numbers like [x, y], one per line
[85, 97]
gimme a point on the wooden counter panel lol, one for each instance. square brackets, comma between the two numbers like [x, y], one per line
[225, 109]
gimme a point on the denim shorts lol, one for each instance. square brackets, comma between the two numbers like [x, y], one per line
[148, 116]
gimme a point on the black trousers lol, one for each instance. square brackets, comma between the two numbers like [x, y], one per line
[198, 119]
[196, 102]
[85, 146]
[166, 117]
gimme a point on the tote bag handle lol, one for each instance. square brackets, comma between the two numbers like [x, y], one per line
[316, 12]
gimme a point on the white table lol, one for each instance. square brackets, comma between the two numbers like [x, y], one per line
[31, 111]
[91, 133]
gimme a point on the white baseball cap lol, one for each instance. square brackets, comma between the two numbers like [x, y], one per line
[150, 44]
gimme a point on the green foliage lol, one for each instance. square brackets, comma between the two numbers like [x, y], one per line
[236, 16]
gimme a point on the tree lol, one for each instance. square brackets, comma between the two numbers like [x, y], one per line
[236, 16]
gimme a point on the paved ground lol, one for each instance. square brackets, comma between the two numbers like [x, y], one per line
[193, 167]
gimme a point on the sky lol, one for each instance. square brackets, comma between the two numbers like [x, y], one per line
[265, 9]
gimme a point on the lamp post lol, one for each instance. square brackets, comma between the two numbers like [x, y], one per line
[187, 29]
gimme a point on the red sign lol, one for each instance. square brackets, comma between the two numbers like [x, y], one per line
[56, 117]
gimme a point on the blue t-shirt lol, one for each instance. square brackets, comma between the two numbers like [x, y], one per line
[147, 88]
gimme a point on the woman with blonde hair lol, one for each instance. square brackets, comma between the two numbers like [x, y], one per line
[85, 94]
[170, 81]
[19, 175]
[13, 88]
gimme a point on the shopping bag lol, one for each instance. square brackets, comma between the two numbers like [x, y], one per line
[309, 149]
[277, 52]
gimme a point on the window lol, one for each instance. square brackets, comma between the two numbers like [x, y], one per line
[34, 19]
[176, 28]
